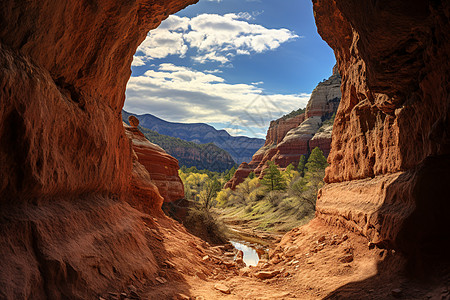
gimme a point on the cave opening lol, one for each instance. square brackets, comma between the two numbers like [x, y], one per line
[80, 211]
[221, 73]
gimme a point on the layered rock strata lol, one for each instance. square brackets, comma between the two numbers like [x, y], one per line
[67, 168]
[389, 158]
[162, 167]
[288, 139]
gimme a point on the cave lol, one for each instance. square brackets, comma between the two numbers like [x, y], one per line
[79, 216]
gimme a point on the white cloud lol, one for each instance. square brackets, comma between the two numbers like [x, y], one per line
[215, 38]
[234, 131]
[182, 94]
[138, 61]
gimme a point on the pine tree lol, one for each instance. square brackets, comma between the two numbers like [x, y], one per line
[230, 173]
[273, 179]
[316, 161]
[301, 165]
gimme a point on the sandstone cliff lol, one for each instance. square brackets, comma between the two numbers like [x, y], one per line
[290, 137]
[67, 168]
[162, 167]
[389, 158]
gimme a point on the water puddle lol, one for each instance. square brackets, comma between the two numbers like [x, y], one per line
[251, 256]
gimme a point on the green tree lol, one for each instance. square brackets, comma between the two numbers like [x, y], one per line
[315, 170]
[289, 173]
[301, 165]
[230, 173]
[273, 179]
[316, 161]
[251, 175]
[209, 192]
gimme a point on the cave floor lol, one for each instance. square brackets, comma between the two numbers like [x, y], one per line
[311, 262]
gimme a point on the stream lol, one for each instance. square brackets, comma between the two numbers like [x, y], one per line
[254, 245]
[251, 256]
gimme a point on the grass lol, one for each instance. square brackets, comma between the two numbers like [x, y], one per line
[264, 216]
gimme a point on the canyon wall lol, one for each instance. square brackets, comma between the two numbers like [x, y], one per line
[390, 151]
[67, 168]
[290, 137]
[162, 167]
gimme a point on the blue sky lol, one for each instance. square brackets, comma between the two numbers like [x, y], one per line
[234, 64]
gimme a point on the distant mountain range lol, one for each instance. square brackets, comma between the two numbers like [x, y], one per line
[189, 154]
[241, 148]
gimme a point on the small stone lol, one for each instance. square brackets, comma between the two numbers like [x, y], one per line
[161, 280]
[396, 293]
[244, 271]
[201, 275]
[134, 122]
[123, 295]
[228, 264]
[345, 237]
[347, 259]
[222, 288]
[371, 291]
[266, 274]
[199, 298]
[220, 277]
[321, 239]
[206, 257]
[183, 297]
[101, 298]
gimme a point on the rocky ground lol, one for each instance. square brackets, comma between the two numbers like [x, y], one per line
[311, 262]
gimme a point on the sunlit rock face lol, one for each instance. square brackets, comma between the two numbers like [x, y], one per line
[162, 167]
[66, 165]
[288, 139]
[391, 137]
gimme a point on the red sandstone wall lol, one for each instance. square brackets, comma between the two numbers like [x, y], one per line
[67, 167]
[288, 139]
[392, 127]
[162, 167]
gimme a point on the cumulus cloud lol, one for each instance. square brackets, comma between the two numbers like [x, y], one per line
[182, 94]
[236, 131]
[214, 38]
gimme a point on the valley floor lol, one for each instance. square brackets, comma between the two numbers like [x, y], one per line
[311, 262]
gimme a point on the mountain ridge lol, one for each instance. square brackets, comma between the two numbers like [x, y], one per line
[202, 156]
[241, 148]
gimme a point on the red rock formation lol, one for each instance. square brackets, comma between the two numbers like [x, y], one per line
[322, 139]
[162, 167]
[278, 129]
[66, 164]
[391, 138]
[288, 139]
[239, 176]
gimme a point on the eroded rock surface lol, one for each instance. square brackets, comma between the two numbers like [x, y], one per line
[288, 138]
[162, 167]
[67, 168]
[391, 137]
